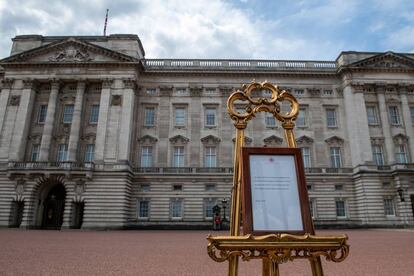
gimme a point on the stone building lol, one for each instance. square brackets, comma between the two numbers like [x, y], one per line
[94, 135]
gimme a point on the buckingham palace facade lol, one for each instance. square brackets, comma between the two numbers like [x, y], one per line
[93, 135]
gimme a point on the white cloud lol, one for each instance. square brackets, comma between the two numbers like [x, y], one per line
[402, 40]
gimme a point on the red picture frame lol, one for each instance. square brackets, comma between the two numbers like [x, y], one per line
[272, 181]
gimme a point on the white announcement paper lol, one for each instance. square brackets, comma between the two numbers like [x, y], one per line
[275, 196]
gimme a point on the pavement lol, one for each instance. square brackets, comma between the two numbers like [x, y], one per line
[77, 252]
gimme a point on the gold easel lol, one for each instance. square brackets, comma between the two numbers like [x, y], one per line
[273, 249]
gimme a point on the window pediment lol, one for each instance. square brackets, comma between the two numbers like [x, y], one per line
[247, 140]
[400, 139]
[210, 139]
[179, 139]
[147, 139]
[304, 140]
[273, 140]
[334, 140]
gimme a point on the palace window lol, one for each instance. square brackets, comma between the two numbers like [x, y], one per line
[378, 155]
[270, 120]
[328, 92]
[90, 149]
[335, 156]
[68, 113]
[41, 119]
[301, 120]
[412, 114]
[62, 154]
[35, 153]
[401, 154]
[146, 156]
[299, 92]
[306, 155]
[208, 208]
[372, 115]
[151, 91]
[394, 115]
[94, 116]
[210, 116]
[143, 209]
[176, 209]
[180, 116]
[389, 209]
[339, 187]
[144, 188]
[177, 187]
[331, 117]
[210, 157]
[149, 116]
[210, 187]
[340, 208]
[178, 156]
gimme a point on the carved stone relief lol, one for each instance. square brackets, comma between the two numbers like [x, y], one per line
[116, 100]
[71, 53]
[14, 100]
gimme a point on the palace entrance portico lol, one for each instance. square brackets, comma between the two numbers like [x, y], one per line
[51, 197]
[53, 207]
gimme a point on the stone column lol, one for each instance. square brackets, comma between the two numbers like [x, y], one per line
[49, 122]
[23, 120]
[76, 122]
[102, 121]
[407, 122]
[4, 99]
[357, 125]
[127, 116]
[386, 131]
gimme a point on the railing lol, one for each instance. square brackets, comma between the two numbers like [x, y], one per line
[50, 165]
[238, 64]
[328, 170]
[182, 170]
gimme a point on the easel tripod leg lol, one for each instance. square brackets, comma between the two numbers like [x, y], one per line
[316, 266]
[270, 268]
[233, 265]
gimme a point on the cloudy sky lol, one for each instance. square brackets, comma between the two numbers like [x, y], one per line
[278, 29]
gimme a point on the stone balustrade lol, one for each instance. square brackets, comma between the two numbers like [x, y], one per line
[181, 170]
[207, 64]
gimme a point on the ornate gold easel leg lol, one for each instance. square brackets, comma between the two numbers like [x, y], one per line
[316, 266]
[275, 269]
[270, 268]
[236, 195]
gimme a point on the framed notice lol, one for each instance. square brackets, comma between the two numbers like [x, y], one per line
[275, 198]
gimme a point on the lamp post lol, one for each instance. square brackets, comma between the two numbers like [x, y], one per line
[224, 204]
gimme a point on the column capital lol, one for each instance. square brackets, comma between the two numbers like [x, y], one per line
[107, 83]
[29, 83]
[81, 85]
[54, 84]
[7, 83]
[129, 83]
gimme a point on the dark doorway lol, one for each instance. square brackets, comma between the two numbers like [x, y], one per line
[16, 213]
[412, 203]
[77, 214]
[54, 206]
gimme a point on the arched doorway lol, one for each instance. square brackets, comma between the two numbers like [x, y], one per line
[54, 205]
